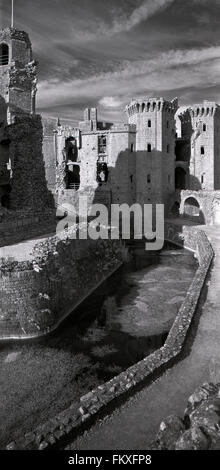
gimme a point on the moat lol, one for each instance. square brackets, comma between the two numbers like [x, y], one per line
[125, 319]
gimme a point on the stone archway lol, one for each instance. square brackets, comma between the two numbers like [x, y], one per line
[192, 210]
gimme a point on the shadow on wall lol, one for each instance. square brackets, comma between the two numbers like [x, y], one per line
[29, 192]
[5, 186]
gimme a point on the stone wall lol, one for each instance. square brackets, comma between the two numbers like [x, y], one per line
[39, 292]
[20, 226]
[29, 188]
[54, 433]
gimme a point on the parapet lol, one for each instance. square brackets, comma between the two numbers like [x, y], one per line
[206, 108]
[151, 105]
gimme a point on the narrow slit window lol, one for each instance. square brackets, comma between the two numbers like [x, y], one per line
[149, 147]
[4, 54]
[202, 150]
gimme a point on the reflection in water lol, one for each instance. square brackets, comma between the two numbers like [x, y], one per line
[135, 308]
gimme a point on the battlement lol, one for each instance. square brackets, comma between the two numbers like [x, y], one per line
[151, 105]
[206, 108]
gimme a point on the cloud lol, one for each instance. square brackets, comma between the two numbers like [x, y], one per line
[110, 102]
[178, 70]
[124, 23]
[142, 13]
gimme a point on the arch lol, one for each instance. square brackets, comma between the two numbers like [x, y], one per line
[191, 207]
[180, 178]
[143, 107]
[4, 54]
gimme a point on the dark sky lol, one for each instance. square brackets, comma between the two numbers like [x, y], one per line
[105, 52]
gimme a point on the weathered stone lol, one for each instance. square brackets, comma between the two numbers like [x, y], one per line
[192, 439]
[170, 430]
[201, 393]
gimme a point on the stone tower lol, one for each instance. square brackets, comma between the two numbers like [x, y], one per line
[155, 148]
[17, 75]
[205, 146]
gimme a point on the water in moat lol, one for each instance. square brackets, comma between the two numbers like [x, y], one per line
[124, 320]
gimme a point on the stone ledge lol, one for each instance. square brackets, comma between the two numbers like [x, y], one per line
[50, 434]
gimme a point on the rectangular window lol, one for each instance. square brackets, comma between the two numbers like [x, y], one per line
[149, 147]
[149, 178]
[149, 123]
[168, 148]
[102, 143]
[202, 150]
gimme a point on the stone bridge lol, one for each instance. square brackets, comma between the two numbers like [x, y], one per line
[199, 206]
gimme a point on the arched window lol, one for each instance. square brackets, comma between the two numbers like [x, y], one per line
[204, 127]
[202, 151]
[4, 54]
[149, 147]
[149, 123]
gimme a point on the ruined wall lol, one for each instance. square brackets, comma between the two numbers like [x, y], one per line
[29, 188]
[18, 78]
[37, 293]
[49, 153]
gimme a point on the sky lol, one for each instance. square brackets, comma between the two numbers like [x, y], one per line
[103, 53]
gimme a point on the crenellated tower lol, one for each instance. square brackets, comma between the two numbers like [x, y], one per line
[205, 146]
[155, 147]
